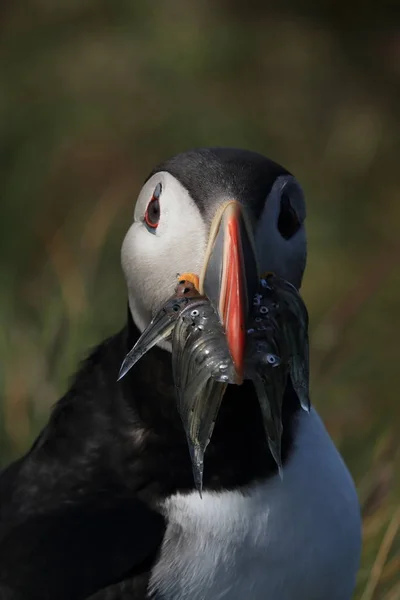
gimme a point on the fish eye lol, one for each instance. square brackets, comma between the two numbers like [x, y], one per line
[263, 310]
[194, 313]
[153, 212]
[273, 360]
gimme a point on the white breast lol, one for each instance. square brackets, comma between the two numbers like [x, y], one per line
[296, 539]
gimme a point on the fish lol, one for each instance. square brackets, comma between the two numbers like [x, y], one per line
[276, 348]
[292, 317]
[161, 326]
[202, 368]
[201, 364]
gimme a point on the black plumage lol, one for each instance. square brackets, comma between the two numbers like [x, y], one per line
[79, 513]
[232, 173]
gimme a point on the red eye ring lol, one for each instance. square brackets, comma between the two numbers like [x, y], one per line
[153, 212]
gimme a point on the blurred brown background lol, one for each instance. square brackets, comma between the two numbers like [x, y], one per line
[93, 93]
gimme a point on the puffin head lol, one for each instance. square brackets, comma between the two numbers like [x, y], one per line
[227, 215]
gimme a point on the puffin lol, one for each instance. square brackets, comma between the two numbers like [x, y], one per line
[104, 507]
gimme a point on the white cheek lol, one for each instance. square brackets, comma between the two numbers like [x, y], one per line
[152, 261]
[138, 260]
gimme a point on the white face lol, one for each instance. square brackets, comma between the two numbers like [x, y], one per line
[152, 257]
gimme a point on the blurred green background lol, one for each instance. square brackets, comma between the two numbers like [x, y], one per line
[94, 92]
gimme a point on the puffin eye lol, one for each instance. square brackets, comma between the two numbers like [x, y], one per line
[152, 214]
[288, 221]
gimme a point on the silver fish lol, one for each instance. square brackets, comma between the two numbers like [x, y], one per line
[267, 370]
[199, 342]
[277, 346]
[202, 368]
[198, 411]
[293, 320]
[201, 363]
[161, 326]
[269, 394]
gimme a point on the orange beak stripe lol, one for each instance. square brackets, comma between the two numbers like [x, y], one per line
[233, 300]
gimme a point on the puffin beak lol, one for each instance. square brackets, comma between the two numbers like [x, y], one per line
[230, 276]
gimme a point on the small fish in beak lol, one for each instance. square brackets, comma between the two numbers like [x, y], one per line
[202, 367]
[201, 363]
[276, 346]
[161, 326]
[293, 320]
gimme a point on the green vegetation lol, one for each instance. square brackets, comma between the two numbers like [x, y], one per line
[93, 93]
